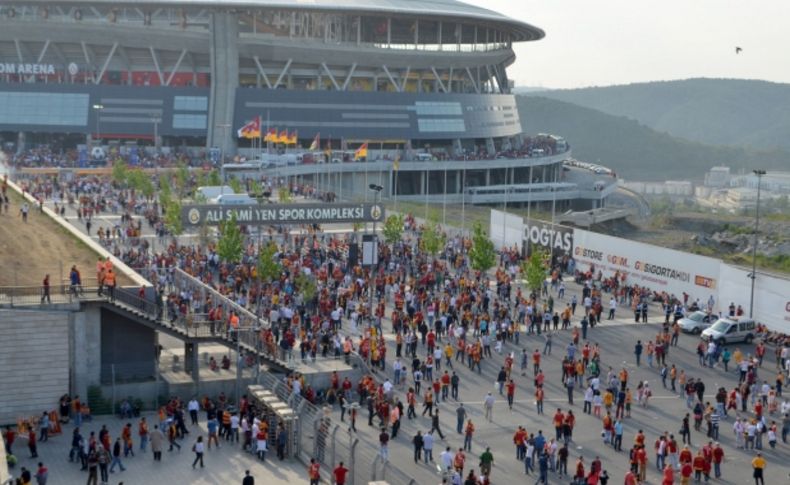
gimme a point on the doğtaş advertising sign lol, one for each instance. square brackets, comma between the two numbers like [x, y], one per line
[654, 267]
[557, 239]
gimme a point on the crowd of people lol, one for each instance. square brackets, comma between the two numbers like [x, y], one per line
[443, 321]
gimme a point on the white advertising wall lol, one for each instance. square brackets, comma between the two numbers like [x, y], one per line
[654, 267]
[506, 229]
[771, 296]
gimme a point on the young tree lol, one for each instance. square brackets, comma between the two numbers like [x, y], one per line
[235, 184]
[482, 254]
[268, 267]
[182, 178]
[432, 239]
[173, 217]
[534, 270]
[307, 287]
[393, 228]
[230, 246]
[214, 178]
[120, 171]
[284, 194]
[165, 193]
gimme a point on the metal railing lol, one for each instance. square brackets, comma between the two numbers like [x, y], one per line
[35, 295]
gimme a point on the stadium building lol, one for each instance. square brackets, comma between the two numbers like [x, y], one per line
[414, 80]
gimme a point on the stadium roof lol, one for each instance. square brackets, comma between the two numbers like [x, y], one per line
[521, 31]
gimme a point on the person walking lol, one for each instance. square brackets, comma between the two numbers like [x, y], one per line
[488, 404]
[103, 458]
[116, 456]
[427, 446]
[157, 441]
[418, 443]
[199, 449]
[42, 474]
[172, 433]
[638, 352]
[339, 474]
[93, 468]
[486, 462]
[758, 466]
[248, 479]
[435, 424]
[313, 472]
[45, 293]
[31, 443]
[460, 417]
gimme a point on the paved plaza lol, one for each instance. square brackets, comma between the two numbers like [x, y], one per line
[617, 339]
[225, 465]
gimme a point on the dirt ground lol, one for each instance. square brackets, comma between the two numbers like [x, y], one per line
[29, 251]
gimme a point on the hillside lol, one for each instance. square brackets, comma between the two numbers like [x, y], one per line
[730, 112]
[633, 150]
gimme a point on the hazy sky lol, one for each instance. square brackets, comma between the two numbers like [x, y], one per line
[602, 42]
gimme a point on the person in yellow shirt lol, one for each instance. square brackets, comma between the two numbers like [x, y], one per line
[758, 464]
[608, 400]
[737, 356]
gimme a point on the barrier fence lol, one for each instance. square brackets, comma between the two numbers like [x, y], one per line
[330, 442]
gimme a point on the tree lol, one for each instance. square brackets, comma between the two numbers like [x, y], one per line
[139, 181]
[231, 242]
[482, 255]
[284, 194]
[173, 217]
[235, 184]
[393, 228]
[307, 287]
[165, 194]
[432, 239]
[120, 171]
[182, 178]
[214, 179]
[534, 270]
[268, 267]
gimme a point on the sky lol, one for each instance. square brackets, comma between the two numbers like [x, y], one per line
[605, 42]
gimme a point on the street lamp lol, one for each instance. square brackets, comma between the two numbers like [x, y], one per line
[374, 257]
[98, 108]
[759, 173]
[225, 127]
[156, 119]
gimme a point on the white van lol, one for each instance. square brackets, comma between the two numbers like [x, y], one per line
[424, 157]
[234, 199]
[727, 330]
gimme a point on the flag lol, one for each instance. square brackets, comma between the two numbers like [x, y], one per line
[271, 135]
[251, 129]
[283, 138]
[316, 145]
[292, 139]
[361, 152]
[396, 163]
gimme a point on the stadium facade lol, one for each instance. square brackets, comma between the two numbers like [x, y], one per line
[408, 75]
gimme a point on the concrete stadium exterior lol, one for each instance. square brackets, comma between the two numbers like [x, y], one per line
[406, 74]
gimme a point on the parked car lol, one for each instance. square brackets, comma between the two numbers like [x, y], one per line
[727, 331]
[696, 322]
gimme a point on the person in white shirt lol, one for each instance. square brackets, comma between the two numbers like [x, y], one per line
[612, 308]
[446, 458]
[427, 446]
[193, 407]
[488, 403]
[234, 427]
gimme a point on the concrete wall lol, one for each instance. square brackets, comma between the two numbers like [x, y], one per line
[85, 355]
[127, 348]
[34, 358]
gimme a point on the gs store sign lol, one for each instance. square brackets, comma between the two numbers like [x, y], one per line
[600, 256]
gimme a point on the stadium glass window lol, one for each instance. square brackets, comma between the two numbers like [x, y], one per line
[56, 109]
[189, 122]
[190, 103]
[437, 108]
[441, 125]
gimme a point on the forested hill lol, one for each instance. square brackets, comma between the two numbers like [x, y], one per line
[633, 150]
[732, 112]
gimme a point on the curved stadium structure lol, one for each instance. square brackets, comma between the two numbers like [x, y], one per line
[401, 75]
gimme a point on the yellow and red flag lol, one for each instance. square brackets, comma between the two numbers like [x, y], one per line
[252, 129]
[316, 145]
[271, 135]
[361, 152]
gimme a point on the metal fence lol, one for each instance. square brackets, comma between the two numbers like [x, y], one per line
[330, 442]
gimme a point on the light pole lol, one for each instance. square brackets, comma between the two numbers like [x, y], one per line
[97, 108]
[156, 119]
[759, 173]
[225, 127]
[376, 198]
[504, 212]
[463, 199]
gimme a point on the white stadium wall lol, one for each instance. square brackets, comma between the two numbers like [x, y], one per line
[506, 229]
[658, 268]
[654, 267]
[771, 295]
